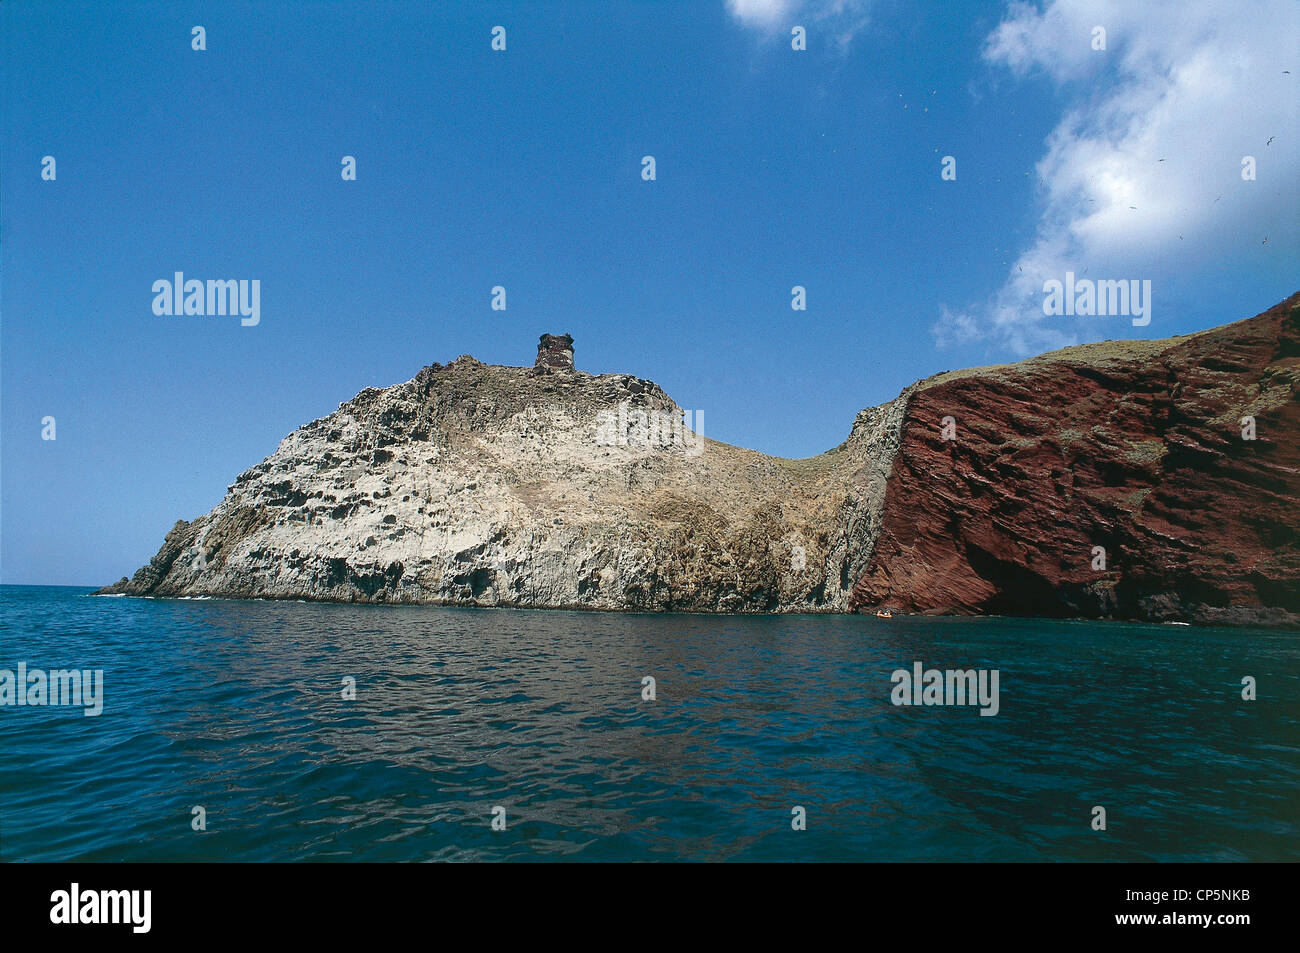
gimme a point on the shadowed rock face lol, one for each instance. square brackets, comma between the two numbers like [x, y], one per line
[1135, 447]
[482, 485]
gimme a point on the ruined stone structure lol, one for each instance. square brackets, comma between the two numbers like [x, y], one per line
[555, 352]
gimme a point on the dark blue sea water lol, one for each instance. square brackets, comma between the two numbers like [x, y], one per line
[236, 706]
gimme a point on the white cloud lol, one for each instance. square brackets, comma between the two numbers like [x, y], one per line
[954, 327]
[763, 14]
[1142, 174]
[841, 20]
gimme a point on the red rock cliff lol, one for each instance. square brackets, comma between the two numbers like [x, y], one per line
[1136, 447]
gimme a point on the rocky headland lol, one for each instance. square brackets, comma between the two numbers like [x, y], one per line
[991, 490]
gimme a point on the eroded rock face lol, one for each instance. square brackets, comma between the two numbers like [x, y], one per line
[1135, 447]
[481, 485]
[473, 484]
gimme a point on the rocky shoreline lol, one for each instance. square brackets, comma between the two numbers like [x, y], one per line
[985, 491]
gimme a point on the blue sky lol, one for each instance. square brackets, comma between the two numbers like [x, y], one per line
[522, 168]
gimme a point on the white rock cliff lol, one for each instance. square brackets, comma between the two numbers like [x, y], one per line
[542, 487]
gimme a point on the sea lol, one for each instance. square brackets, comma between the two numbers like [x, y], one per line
[294, 731]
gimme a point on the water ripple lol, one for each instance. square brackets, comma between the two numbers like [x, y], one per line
[238, 708]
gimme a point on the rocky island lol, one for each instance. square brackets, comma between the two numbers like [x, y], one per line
[1152, 480]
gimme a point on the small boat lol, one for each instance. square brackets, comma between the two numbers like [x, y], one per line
[884, 614]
